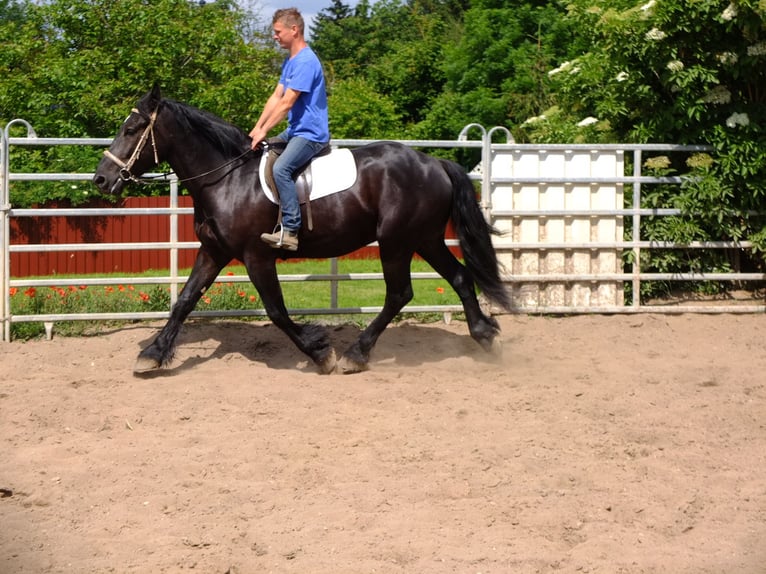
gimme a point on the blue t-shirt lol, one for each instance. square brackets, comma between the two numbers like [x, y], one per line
[308, 116]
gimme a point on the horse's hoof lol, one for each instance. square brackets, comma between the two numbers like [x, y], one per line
[493, 346]
[348, 367]
[328, 364]
[145, 365]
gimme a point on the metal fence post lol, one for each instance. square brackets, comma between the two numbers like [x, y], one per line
[5, 225]
[636, 281]
[174, 280]
[333, 283]
[486, 180]
[485, 165]
[4, 207]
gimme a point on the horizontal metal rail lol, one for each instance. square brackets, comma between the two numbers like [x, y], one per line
[238, 313]
[564, 181]
[101, 211]
[598, 148]
[143, 280]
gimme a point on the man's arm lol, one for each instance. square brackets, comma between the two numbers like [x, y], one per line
[276, 109]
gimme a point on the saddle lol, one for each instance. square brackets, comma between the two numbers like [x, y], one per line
[273, 148]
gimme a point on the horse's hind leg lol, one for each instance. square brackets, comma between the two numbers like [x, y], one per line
[483, 329]
[310, 339]
[396, 273]
[161, 351]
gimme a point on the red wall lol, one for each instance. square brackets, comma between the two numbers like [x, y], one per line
[54, 230]
[100, 229]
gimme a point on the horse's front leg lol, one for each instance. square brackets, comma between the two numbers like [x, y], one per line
[311, 339]
[162, 349]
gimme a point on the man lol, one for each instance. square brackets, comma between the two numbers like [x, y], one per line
[300, 96]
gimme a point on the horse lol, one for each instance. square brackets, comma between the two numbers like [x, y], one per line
[401, 198]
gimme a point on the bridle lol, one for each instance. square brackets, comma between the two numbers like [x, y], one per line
[125, 167]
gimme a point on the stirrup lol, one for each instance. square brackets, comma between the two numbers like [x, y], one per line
[280, 238]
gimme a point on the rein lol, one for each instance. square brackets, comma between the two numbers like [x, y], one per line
[125, 167]
[164, 176]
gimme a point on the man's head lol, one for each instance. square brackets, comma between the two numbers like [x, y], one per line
[288, 18]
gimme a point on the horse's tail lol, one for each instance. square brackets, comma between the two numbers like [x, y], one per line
[475, 236]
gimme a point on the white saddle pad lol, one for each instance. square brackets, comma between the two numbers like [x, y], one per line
[329, 174]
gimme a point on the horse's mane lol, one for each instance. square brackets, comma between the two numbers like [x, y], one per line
[223, 136]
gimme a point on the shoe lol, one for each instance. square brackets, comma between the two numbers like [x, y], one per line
[282, 239]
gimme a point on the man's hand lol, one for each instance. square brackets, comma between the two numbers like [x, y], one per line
[257, 135]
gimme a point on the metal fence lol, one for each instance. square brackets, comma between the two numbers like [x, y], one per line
[626, 246]
[493, 188]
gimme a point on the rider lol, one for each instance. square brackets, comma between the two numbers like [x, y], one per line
[300, 96]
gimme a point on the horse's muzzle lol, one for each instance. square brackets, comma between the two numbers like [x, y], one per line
[103, 184]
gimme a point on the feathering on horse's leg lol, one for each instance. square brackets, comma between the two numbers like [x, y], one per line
[311, 339]
[396, 273]
[484, 329]
[161, 351]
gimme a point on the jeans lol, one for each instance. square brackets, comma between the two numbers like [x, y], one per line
[298, 153]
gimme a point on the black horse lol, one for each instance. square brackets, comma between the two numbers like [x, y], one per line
[402, 198]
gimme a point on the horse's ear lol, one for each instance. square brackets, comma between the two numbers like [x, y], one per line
[156, 95]
[151, 99]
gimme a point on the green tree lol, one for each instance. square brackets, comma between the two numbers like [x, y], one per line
[495, 66]
[75, 68]
[408, 70]
[86, 62]
[678, 71]
[357, 111]
[662, 71]
[11, 11]
[395, 46]
[341, 38]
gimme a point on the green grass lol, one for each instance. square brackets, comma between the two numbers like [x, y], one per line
[357, 293]
[134, 296]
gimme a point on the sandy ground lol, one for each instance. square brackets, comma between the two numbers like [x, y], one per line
[619, 444]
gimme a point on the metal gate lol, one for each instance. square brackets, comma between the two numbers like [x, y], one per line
[560, 208]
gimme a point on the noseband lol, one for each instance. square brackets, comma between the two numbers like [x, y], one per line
[125, 167]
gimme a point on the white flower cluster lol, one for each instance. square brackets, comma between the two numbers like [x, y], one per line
[534, 119]
[565, 67]
[718, 95]
[655, 34]
[589, 121]
[621, 77]
[562, 68]
[648, 6]
[730, 13]
[737, 119]
[701, 160]
[675, 65]
[727, 58]
[659, 162]
[757, 49]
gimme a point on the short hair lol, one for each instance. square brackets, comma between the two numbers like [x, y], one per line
[289, 17]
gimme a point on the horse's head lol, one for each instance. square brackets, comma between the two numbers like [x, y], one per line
[134, 149]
